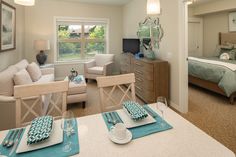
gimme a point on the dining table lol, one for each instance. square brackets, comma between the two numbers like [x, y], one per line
[183, 140]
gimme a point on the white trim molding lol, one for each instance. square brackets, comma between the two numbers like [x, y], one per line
[183, 54]
[79, 20]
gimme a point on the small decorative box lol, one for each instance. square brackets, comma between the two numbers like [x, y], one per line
[40, 129]
[135, 110]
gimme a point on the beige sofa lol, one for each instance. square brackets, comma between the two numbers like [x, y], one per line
[101, 65]
[7, 101]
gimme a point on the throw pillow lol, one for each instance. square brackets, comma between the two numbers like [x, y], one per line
[34, 71]
[6, 81]
[232, 54]
[22, 77]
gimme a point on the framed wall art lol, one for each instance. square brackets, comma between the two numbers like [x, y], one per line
[8, 27]
[232, 22]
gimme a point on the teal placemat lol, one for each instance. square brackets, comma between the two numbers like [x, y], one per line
[55, 150]
[144, 130]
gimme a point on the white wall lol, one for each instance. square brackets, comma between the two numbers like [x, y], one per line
[11, 57]
[39, 23]
[212, 25]
[134, 12]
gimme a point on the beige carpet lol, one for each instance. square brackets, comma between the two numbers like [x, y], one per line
[213, 114]
[208, 111]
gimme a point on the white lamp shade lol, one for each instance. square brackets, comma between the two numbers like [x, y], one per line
[25, 2]
[153, 7]
[41, 45]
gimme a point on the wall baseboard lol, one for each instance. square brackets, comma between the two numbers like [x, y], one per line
[175, 106]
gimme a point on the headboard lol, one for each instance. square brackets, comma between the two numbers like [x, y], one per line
[227, 37]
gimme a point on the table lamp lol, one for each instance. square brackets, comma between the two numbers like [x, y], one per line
[41, 46]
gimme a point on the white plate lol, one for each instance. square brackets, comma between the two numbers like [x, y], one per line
[123, 141]
[129, 123]
[55, 138]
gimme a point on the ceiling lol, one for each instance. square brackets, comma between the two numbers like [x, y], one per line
[106, 2]
[123, 2]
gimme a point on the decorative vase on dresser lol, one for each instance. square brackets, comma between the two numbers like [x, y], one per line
[151, 76]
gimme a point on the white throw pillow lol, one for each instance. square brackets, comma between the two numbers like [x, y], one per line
[224, 56]
[34, 71]
[22, 77]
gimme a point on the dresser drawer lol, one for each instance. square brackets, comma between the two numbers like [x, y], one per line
[144, 84]
[147, 95]
[142, 66]
[144, 75]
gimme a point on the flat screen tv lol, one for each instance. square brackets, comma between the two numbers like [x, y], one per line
[131, 45]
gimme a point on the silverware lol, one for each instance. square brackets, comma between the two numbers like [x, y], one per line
[150, 112]
[116, 117]
[5, 142]
[11, 142]
[108, 119]
[16, 142]
[112, 118]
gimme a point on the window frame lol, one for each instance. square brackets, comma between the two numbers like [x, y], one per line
[82, 22]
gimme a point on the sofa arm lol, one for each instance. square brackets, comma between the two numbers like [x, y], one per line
[6, 99]
[108, 68]
[46, 71]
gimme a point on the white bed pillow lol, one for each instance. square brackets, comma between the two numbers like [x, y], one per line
[22, 77]
[34, 71]
[224, 56]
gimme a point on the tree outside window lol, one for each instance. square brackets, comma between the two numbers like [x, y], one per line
[80, 41]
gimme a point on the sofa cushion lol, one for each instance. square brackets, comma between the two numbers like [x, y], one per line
[6, 81]
[46, 78]
[22, 77]
[95, 70]
[102, 59]
[34, 71]
[21, 65]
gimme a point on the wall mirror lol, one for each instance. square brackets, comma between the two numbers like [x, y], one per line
[150, 30]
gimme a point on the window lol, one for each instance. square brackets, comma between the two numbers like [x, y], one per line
[79, 39]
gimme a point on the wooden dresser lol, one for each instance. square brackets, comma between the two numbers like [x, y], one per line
[151, 76]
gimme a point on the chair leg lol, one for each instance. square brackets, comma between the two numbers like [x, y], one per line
[83, 104]
[86, 80]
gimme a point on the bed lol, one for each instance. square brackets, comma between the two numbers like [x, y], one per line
[214, 74]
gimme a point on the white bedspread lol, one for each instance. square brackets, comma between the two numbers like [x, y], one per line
[227, 65]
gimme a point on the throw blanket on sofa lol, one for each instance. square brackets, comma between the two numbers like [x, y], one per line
[218, 71]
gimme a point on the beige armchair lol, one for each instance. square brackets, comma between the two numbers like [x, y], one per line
[101, 65]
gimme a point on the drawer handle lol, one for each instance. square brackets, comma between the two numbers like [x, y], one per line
[138, 88]
[139, 72]
[138, 64]
[138, 79]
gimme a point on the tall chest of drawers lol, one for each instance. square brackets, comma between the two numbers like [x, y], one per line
[151, 77]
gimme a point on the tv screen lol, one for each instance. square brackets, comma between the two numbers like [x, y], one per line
[131, 45]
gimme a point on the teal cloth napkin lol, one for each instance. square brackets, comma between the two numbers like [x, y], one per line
[144, 130]
[55, 150]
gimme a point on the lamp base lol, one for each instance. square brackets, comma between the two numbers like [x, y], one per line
[41, 57]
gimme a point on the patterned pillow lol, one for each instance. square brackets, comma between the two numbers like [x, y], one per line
[40, 129]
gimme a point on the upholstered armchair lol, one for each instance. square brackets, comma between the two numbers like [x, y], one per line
[101, 65]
